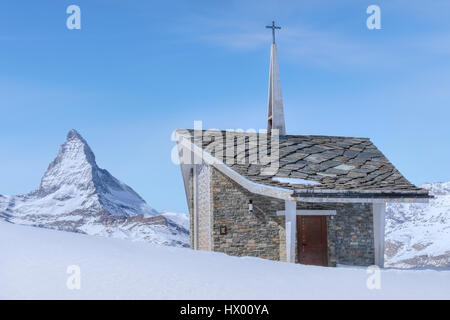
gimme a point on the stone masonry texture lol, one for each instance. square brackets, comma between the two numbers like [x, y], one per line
[262, 233]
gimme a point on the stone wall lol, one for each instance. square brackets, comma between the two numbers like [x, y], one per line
[351, 233]
[262, 233]
[259, 234]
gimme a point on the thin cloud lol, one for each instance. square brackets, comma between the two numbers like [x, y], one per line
[326, 49]
[238, 41]
[299, 44]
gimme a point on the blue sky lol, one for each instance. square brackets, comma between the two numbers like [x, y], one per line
[137, 70]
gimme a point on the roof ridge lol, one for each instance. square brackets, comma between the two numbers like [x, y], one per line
[287, 135]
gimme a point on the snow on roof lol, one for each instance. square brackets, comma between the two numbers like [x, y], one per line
[294, 181]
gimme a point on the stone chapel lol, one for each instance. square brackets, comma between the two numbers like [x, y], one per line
[308, 199]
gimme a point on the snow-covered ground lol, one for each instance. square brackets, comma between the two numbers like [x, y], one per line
[34, 263]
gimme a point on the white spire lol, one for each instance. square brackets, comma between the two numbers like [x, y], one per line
[275, 112]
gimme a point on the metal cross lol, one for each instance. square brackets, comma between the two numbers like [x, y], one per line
[273, 27]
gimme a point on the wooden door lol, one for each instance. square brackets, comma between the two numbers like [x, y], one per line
[312, 247]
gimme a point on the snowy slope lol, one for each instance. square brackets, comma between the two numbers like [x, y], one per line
[34, 262]
[419, 234]
[76, 195]
[181, 219]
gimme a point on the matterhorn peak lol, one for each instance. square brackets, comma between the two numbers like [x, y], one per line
[77, 195]
[75, 141]
[73, 166]
[73, 134]
[74, 173]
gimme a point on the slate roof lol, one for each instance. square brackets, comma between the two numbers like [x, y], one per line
[343, 166]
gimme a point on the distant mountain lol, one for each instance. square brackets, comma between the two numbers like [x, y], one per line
[418, 235]
[76, 195]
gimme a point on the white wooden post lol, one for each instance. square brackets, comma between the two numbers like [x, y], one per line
[379, 210]
[291, 229]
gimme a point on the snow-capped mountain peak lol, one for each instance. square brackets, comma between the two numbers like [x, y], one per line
[74, 173]
[75, 194]
[74, 165]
